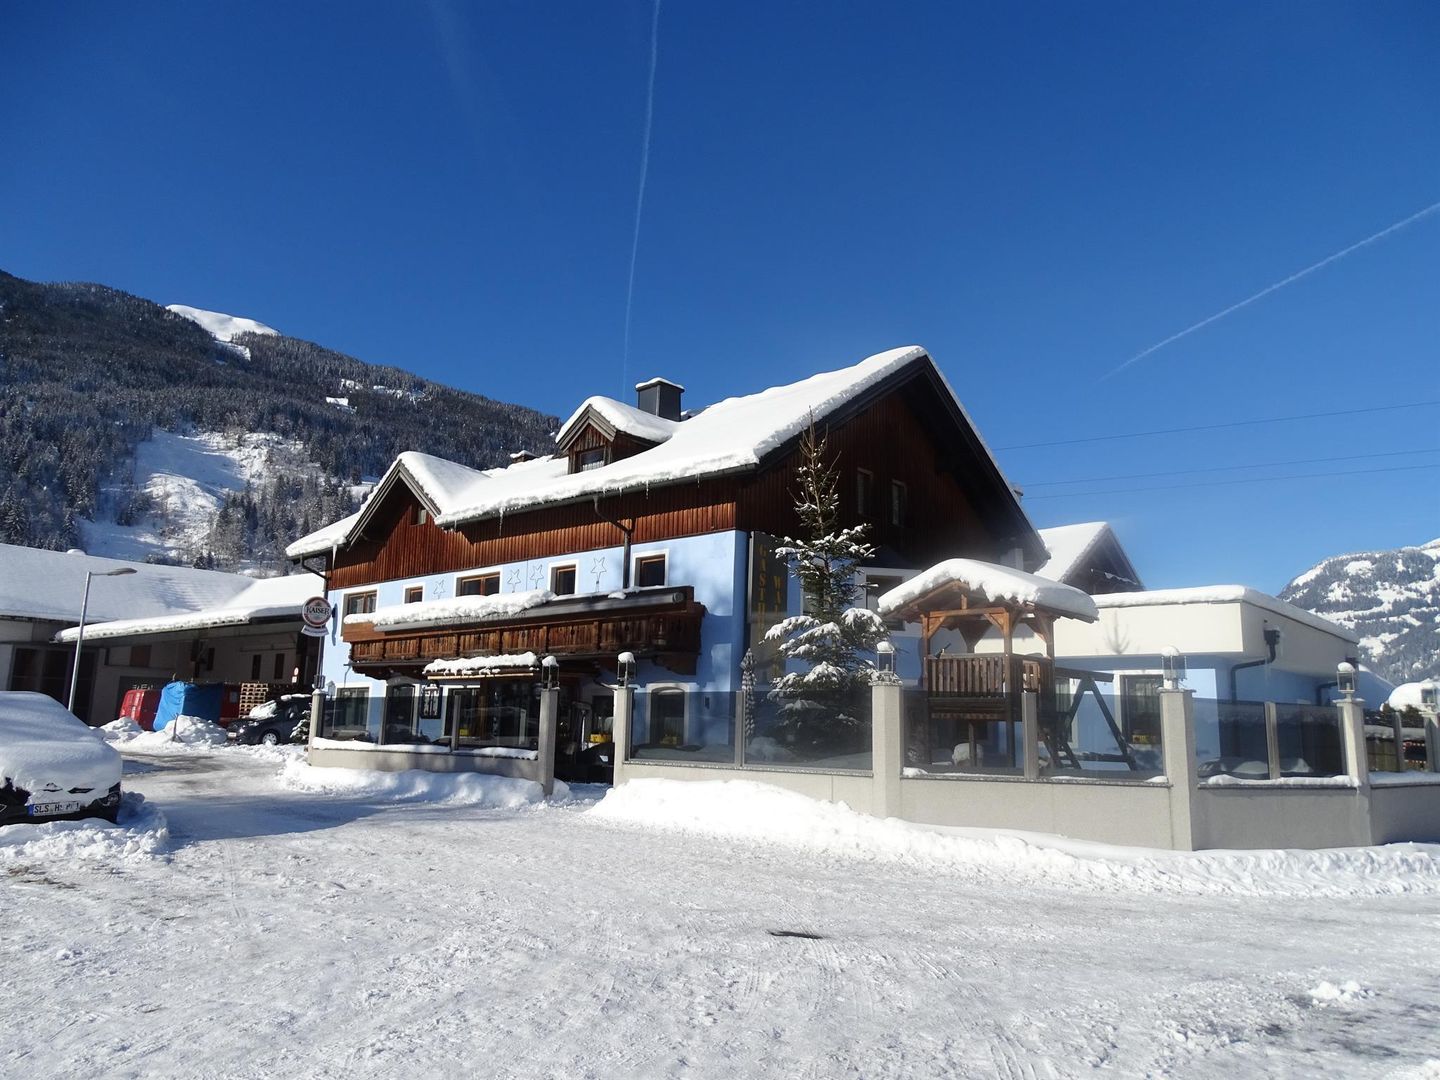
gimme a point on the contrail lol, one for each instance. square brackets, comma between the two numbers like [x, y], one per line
[640, 195]
[1278, 285]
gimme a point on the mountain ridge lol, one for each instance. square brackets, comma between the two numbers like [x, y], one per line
[88, 373]
[1390, 598]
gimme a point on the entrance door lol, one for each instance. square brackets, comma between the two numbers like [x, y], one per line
[399, 714]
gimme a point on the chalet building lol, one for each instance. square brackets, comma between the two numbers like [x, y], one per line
[652, 531]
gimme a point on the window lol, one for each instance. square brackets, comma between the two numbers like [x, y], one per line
[864, 492]
[422, 516]
[255, 668]
[1140, 708]
[360, 603]
[649, 571]
[478, 585]
[414, 594]
[562, 580]
[350, 716]
[667, 717]
[899, 495]
[586, 460]
[399, 714]
[279, 667]
[503, 712]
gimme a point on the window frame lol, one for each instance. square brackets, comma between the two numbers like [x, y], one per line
[662, 557]
[864, 493]
[461, 581]
[349, 604]
[574, 569]
[899, 503]
[414, 594]
[581, 455]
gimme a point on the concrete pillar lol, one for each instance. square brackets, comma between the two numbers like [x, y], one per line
[1352, 738]
[1272, 739]
[887, 737]
[1432, 742]
[1177, 737]
[620, 729]
[317, 716]
[1030, 734]
[545, 751]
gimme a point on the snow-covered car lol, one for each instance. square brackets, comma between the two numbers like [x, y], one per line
[271, 723]
[52, 766]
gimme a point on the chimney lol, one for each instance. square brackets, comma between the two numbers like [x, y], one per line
[659, 397]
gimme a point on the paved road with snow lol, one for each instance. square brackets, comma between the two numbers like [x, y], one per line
[289, 933]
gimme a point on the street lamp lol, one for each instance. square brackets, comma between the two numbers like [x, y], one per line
[80, 635]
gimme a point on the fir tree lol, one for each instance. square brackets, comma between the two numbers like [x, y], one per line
[832, 633]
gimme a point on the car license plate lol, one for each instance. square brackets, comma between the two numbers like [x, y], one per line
[45, 809]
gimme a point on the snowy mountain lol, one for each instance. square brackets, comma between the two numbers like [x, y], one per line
[185, 435]
[1390, 598]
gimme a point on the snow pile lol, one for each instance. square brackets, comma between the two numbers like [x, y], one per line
[221, 326]
[482, 665]
[419, 785]
[142, 833]
[184, 734]
[1327, 993]
[995, 584]
[46, 750]
[755, 813]
[453, 609]
[120, 730]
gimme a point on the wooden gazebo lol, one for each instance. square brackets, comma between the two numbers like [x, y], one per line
[971, 688]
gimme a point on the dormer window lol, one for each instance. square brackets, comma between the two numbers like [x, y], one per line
[586, 460]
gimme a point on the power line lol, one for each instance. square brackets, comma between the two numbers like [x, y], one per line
[1218, 427]
[1241, 480]
[1226, 468]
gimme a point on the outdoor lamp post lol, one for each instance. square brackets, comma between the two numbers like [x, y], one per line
[549, 673]
[80, 634]
[885, 656]
[625, 668]
[1345, 678]
[1172, 666]
[1428, 693]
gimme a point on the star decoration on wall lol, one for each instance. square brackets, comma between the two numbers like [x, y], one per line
[439, 587]
[598, 569]
[537, 575]
[514, 579]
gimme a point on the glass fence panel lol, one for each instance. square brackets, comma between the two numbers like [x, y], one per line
[817, 731]
[350, 717]
[944, 736]
[1230, 740]
[504, 713]
[1095, 732]
[684, 726]
[1309, 740]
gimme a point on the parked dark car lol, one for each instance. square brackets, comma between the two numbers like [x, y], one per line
[53, 767]
[271, 723]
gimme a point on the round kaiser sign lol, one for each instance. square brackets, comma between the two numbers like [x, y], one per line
[316, 616]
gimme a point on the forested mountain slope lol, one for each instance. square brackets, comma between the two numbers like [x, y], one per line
[1390, 598]
[89, 373]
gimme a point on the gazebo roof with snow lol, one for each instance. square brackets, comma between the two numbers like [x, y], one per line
[971, 596]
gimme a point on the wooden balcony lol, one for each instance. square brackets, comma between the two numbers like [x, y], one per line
[985, 686]
[665, 628]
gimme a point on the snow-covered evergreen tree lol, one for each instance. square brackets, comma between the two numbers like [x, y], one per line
[832, 633]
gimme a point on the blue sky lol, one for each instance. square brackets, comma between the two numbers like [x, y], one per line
[1035, 192]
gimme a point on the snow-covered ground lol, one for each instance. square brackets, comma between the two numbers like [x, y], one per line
[262, 927]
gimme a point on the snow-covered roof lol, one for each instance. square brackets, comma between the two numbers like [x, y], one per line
[996, 584]
[222, 326]
[261, 598]
[734, 435]
[1068, 545]
[50, 585]
[451, 610]
[483, 665]
[1405, 696]
[619, 417]
[1223, 594]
